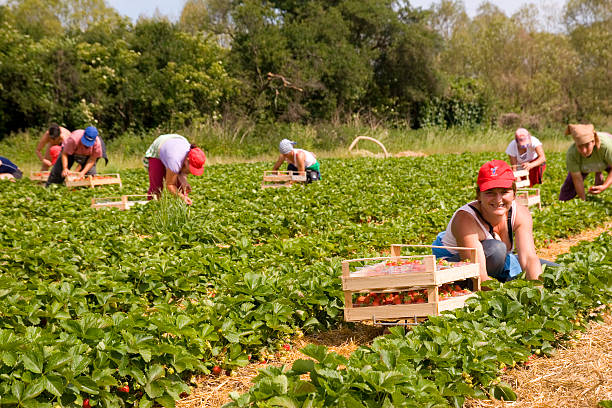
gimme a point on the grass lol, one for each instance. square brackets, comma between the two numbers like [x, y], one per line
[244, 142]
[170, 214]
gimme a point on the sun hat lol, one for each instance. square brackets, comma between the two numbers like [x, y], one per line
[89, 136]
[197, 159]
[495, 174]
[581, 133]
[522, 136]
[286, 146]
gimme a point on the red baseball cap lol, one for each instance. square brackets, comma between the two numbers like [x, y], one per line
[495, 174]
[197, 159]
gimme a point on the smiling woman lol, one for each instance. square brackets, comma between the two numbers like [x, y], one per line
[495, 225]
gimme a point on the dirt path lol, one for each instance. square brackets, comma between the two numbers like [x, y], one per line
[579, 375]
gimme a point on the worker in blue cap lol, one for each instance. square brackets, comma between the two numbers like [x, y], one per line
[84, 147]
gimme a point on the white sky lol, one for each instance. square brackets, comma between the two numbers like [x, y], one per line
[172, 8]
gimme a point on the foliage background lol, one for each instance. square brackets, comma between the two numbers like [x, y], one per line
[242, 64]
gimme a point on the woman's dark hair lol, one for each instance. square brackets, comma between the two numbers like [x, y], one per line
[513, 189]
[54, 131]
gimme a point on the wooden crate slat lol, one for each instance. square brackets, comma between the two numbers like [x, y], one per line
[454, 302]
[95, 180]
[356, 314]
[122, 203]
[273, 179]
[529, 197]
[355, 284]
[521, 173]
[456, 273]
[522, 183]
[39, 175]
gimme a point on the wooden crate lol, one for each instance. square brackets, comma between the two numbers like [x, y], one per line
[428, 276]
[273, 179]
[529, 197]
[92, 181]
[39, 175]
[125, 202]
[521, 177]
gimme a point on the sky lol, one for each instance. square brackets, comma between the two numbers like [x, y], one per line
[172, 8]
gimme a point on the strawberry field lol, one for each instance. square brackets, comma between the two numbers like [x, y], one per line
[118, 308]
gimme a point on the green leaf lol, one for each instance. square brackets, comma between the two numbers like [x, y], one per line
[283, 401]
[33, 361]
[315, 351]
[503, 392]
[155, 372]
[302, 366]
[166, 401]
[17, 389]
[54, 384]
[86, 385]
[34, 389]
[605, 404]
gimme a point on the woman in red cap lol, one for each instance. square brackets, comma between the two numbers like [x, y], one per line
[171, 158]
[495, 225]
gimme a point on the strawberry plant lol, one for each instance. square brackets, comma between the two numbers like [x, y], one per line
[94, 300]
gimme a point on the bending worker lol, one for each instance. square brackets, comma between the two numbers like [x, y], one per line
[590, 153]
[494, 225]
[83, 147]
[55, 137]
[171, 158]
[298, 160]
[526, 152]
[9, 170]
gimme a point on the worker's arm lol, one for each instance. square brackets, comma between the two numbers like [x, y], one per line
[598, 189]
[65, 169]
[537, 162]
[39, 148]
[579, 184]
[90, 163]
[172, 186]
[279, 162]
[525, 247]
[469, 234]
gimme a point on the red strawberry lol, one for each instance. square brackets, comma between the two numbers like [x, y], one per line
[216, 370]
[287, 347]
[125, 388]
[86, 403]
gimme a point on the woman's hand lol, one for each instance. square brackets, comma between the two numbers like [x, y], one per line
[596, 189]
[47, 163]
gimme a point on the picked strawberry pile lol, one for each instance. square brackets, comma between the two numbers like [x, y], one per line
[448, 290]
[444, 264]
[390, 298]
[391, 268]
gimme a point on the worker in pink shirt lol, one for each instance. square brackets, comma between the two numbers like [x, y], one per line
[83, 147]
[55, 137]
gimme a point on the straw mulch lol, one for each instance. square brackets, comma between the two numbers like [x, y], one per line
[579, 375]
